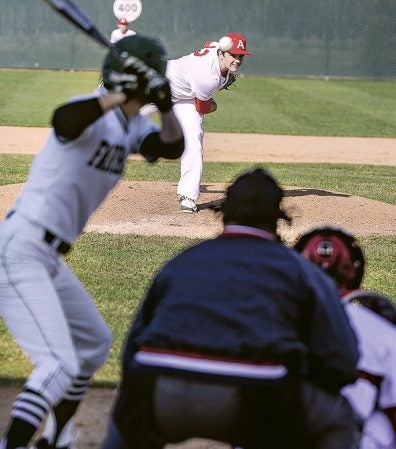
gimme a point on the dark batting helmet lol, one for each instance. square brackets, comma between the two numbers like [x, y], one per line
[336, 252]
[146, 49]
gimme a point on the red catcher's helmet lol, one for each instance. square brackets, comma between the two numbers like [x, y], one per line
[336, 252]
[239, 44]
[122, 21]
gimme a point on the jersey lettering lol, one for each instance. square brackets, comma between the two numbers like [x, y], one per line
[201, 52]
[109, 158]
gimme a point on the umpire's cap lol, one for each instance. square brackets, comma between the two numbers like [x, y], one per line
[254, 199]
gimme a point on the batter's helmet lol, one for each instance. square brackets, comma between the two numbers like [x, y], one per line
[336, 252]
[145, 48]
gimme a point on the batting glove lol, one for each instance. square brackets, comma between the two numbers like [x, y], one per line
[159, 92]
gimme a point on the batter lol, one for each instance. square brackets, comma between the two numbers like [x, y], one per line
[46, 308]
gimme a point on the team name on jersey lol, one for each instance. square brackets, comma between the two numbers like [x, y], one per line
[109, 158]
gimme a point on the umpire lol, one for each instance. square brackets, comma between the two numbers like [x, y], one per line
[239, 340]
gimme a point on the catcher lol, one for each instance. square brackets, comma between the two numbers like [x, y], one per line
[237, 339]
[373, 318]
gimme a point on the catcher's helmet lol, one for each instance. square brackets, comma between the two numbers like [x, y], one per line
[336, 252]
[147, 49]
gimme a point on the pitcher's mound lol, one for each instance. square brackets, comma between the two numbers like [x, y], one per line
[151, 208]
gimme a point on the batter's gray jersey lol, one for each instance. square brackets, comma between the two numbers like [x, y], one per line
[68, 180]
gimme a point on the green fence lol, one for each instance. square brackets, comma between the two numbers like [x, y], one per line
[301, 38]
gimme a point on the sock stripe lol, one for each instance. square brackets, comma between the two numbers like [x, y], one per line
[31, 407]
[77, 390]
[80, 382]
[27, 415]
[34, 400]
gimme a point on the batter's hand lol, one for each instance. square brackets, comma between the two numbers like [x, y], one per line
[126, 83]
[157, 86]
[159, 92]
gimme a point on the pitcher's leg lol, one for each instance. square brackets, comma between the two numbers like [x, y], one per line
[191, 162]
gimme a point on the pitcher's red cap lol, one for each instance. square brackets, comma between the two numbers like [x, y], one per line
[122, 21]
[239, 44]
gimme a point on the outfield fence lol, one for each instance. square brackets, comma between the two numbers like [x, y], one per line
[298, 38]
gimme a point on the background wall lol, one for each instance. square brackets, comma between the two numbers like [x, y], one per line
[302, 38]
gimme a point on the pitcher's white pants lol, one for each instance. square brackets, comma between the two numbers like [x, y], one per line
[191, 161]
[48, 311]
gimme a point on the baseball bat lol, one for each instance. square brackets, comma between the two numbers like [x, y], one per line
[75, 15]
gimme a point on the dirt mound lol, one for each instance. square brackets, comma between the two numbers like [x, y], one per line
[151, 208]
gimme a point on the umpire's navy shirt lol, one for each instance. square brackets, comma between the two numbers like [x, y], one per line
[246, 296]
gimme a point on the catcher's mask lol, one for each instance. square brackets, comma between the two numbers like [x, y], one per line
[254, 199]
[336, 252]
[145, 48]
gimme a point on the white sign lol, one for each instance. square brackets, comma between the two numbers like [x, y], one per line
[130, 9]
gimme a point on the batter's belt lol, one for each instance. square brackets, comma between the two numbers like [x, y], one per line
[49, 237]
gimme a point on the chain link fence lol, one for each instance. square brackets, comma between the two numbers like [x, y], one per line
[304, 38]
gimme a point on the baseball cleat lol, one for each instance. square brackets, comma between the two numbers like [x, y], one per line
[187, 205]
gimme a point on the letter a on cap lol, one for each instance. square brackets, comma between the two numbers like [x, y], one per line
[239, 44]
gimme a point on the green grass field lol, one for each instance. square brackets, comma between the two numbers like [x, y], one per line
[254, 105]
[117, 269]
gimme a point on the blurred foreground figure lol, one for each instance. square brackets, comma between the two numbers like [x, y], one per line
[48, 311]
[373, 317]
[240, 340]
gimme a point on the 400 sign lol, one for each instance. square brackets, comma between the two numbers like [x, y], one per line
[130, 9]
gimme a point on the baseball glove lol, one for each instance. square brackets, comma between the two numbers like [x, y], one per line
[231, 80]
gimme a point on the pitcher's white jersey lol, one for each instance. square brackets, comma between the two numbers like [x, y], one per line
[68, 180]
[196, 75]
